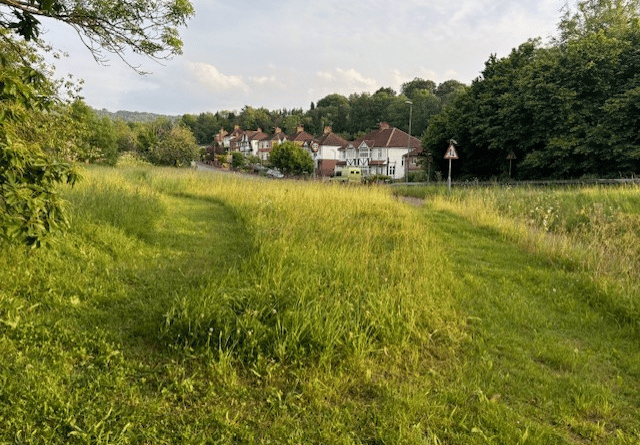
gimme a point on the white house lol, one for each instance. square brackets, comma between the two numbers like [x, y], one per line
[328, 152]
[249, 141]
[381, 152]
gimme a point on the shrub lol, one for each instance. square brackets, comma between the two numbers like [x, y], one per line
[176, 148]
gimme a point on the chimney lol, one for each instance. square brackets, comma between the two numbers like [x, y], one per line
[327, 129]
[299, 129]
[236, 127]
[259, 130]
[277, 130]
[384, 126]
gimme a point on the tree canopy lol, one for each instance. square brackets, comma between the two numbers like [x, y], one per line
[147, 27]
[291, 159]
[565, 110]
[40, 133]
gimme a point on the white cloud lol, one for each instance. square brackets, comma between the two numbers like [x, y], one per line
[213, 78]
[263, 80]
[341, 78]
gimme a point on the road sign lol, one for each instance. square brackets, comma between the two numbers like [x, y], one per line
[451, 153]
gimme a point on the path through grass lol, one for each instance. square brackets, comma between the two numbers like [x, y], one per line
[542, 360]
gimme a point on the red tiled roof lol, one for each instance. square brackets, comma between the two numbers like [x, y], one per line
[300, 136]
[388, 138]
[278, 136]
[332, 140]
[256, 135]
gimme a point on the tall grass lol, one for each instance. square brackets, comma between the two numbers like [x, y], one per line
[595, 228]
[184, 307]
[335, 271]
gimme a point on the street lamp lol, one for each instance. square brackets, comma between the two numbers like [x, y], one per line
[406, 164]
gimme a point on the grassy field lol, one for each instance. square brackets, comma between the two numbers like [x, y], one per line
[191, 307]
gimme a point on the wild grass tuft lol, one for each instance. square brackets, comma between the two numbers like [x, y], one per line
[335, 271]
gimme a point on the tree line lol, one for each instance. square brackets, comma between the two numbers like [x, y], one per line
[350, 117]
[568, 109]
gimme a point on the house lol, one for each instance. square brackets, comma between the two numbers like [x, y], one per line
[300, 137]
[230, 140]
[249, 141]
[328, 153]
[265, 145]
[381, 152]
[411, 160]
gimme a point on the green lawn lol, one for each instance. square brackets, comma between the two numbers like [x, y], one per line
[191, 308]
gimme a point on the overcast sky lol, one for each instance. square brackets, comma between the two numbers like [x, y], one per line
[289, 53]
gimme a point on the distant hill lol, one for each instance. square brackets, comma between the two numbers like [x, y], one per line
[133, 116]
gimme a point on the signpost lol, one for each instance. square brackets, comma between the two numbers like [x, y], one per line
[451, 154]
[511, 157]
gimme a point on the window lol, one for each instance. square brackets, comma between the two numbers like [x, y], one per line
[392, 170]
[364, 153]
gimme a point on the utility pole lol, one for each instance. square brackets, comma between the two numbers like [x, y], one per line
[406, 162]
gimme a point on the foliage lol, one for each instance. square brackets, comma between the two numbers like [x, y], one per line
[347, 116]
[149, 28]
[565, 110]
[204, 127]
[237, 160]
[291, 159]
[176, 148]
[30, 207]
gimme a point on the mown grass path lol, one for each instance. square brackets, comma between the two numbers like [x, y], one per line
[540, 352]
[194, 240]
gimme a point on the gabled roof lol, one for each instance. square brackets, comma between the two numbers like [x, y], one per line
[257, 135]
[388, 137]
[279, 135]
[237, 131]
[300, 136]
[332, 140]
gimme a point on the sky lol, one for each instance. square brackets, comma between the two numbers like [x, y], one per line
[288, 53]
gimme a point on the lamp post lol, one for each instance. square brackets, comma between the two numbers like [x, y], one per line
[406, 164]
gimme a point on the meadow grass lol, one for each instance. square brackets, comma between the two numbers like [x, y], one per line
[191, 307]
[593, 228]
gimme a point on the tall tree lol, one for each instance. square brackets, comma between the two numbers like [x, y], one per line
[412, 87]
[592, 16]
[289, 158]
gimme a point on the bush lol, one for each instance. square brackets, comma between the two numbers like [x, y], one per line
[289, 158]
[176, 148]
[237, 160]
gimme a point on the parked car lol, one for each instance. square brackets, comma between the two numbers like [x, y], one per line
[273, 173]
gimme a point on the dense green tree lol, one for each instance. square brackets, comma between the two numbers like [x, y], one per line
[594, 16]
[254, 118]
[95, 137]
[448, 90]
[125, 136]
[565, 110]
[291, 159]
[30, 207]
[237, 160]
[29, 170]
[177, 147]
[333, 110]
[204, 126]
[410, 88]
